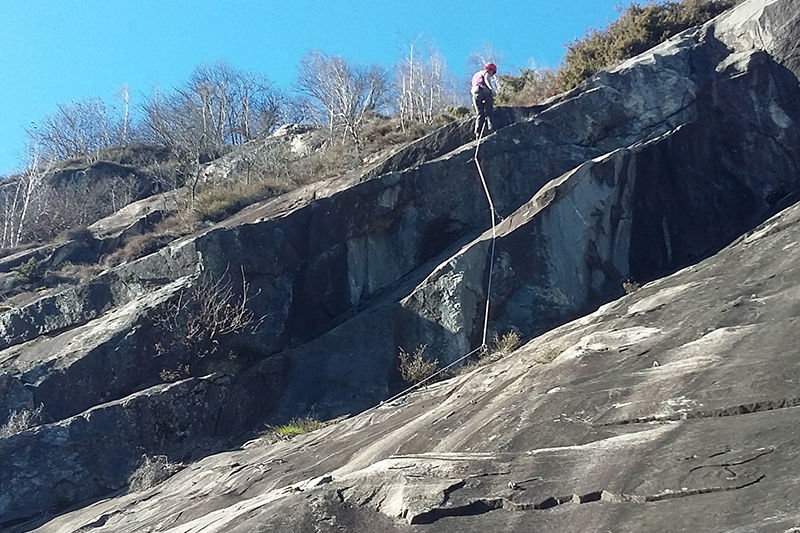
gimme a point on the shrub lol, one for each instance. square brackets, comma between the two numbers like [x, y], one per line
[29, 272]
[152, 471]
[76, 233]
[456, 113]
[72, 273]
[529, 88]
[199, 319]
[21, 420]
[382, 132]
[505, 344]
[217, 203]
[177, 225]
[414, 367]
[171, 376]
[637, 29]
[502, 345]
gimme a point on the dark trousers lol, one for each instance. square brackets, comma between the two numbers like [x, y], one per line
[483, 100]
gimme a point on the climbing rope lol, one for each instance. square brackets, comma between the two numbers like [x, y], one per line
[493, 214]
[482, 347]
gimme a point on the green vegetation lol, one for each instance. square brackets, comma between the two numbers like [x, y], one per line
[530, 87]
[29, 272]
[638, 29]
[167, 144]
[298, 426]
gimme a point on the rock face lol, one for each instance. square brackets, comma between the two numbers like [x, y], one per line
[672, 401]
[644, 170]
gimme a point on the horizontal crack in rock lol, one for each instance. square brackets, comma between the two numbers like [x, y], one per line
[760, 453]
[476, 507]
[485, 505]
[742, 409]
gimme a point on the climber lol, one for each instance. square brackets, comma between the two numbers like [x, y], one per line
[483, 98]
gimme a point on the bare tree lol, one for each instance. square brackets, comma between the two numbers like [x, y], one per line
[123, 93]
[23, 197]
[340, 95]
[78, 128]
[424, 85]
[220, 105]
[485, 54]
[202, 316]
[79, 203]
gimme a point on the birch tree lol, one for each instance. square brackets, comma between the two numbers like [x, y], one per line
[340, 95]
[424, 86]
[123, 93]
[219, 105]
[22, 198]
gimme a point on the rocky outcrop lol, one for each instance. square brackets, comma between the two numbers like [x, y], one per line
[643, 415]
[644, 170]
[289, 142]
[140, 216]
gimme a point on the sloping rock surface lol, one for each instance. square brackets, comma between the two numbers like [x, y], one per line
[644, 170]
[670, 409]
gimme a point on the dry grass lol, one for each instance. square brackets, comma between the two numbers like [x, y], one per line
[136, 247]
[21, 420]
[414, 367]
[502, 346]
[152, 471]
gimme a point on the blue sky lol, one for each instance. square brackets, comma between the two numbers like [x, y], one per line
[57, 51]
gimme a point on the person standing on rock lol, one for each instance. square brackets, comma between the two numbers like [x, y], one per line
[483, 98]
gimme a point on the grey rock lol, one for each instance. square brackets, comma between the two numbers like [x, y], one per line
[574, 431]
[644, 170]
[140, 216]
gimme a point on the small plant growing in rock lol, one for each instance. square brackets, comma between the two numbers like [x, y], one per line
[21, 420]
[414, 367]
[502, 345]
[298, 426]
[152, 471]
[630, 286]
[172, 375]
[28, 272]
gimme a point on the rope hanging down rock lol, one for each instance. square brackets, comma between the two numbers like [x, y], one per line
[493, 214]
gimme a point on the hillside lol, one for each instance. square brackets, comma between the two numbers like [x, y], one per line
[664, 409]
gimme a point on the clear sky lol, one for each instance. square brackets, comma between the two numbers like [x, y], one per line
[57, 51]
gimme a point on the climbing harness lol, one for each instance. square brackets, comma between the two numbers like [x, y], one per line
[493, 214]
